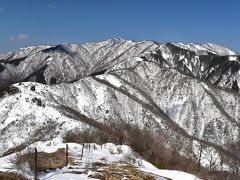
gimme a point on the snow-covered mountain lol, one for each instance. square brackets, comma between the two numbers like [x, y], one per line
[190, 92]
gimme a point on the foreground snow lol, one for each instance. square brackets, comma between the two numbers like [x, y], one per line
[106, 154]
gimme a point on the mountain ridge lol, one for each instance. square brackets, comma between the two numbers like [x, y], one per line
[190, 95]
[83, 56]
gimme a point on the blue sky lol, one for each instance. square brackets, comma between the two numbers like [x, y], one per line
[30, 22]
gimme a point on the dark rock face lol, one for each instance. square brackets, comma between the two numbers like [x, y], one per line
[1, 68]
[189, 91]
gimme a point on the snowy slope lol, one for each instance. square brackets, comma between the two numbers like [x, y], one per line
[111, 153]
[221, 50]
[207, 48]
[186, 91]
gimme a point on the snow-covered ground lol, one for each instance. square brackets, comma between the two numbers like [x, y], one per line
[105, 154]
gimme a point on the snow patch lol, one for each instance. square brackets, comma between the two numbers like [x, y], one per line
[111, 79]
[49, 60]
[138, 59]
[232, 58]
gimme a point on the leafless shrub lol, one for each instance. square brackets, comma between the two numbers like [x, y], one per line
[19, 161]
[151, 146]
[129, 157]
[119, 149]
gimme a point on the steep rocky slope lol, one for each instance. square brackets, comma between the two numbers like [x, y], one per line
[189, 92]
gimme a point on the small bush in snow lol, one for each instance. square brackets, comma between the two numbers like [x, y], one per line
[129, 157]
[20, 162]
[119, 149]
[111, 151]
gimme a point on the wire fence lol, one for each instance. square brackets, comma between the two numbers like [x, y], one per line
[68, 153]
[36, 170]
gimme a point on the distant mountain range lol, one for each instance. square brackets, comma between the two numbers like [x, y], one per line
[189, 92]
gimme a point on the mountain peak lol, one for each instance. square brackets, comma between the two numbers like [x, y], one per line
[118, 38]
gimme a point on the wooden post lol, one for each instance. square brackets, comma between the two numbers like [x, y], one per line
[82, 150]
[35, 164]
[66, 154]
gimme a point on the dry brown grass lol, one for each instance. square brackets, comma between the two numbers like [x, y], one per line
[11, 176]
[45, 161]
[120, 170]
